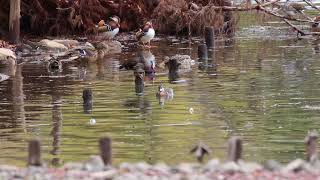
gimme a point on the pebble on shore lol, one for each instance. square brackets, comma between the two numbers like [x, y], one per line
[214, 169]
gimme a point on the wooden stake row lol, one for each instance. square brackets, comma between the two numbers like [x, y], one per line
[34, 158]
[234, 149]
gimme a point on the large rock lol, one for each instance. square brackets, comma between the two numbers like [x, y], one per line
[6, 54]
[107, 47]
[182, 62]
[67, 42]
[7, 63]
[52, 45]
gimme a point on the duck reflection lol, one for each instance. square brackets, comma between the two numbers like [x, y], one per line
[145, 60]
[164, 94]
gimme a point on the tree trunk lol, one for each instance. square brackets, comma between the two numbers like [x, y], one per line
[14, 21]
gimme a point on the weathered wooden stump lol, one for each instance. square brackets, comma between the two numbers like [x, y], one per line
[14, 21]
[311, 146]
[34, 158]
[87, 100]
[234, 149]
[106, 150]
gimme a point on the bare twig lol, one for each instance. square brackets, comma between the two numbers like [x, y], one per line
[311, 4]
[295, 28]
[306, 16]
[286, 20]
[302, 33]
[285, 17]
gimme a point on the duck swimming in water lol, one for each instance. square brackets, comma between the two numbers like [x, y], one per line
[165, 92]
[146, 34]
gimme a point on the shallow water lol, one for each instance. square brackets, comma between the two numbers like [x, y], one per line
[262, 89]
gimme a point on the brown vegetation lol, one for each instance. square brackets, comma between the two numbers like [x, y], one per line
[63, 17]
[178, 16]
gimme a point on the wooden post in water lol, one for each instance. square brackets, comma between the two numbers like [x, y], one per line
[14, 21]
[311, 146]
[202, 51]
[209, 36]
[105, 150]
[234, 149]
[87, 100]
[34, 149]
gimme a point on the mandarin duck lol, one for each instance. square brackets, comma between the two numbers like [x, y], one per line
[146, 34]
[110, 28]
[165, 92]
[200, 150]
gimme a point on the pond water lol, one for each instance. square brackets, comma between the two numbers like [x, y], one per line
[264, 89]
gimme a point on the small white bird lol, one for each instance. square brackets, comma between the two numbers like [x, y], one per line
[147, 34]
[110, 29]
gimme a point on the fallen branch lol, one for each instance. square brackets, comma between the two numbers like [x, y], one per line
[299, 31]
[295, 28]
[285, 17]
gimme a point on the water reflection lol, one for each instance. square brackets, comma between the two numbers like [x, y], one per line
[144, 60]
[87, 101]
[316, 46]
[57, 122]
[140, 104]
[18, 114]
[8, 68]
[139, 75]
[173, 67]
[261, 94]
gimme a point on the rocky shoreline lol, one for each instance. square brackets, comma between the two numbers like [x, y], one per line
[53, 53]
[94, 168]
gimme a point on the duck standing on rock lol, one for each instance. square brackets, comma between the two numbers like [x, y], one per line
[146, 34]
[110, 29]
